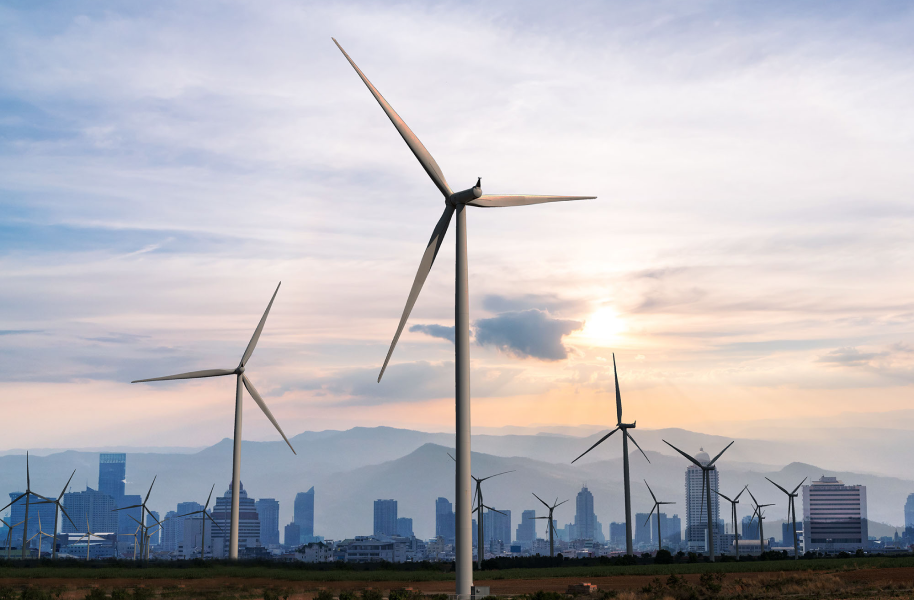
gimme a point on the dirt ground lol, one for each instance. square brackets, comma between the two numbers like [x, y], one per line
[304, 590]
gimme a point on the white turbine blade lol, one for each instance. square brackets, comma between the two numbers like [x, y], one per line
[254, 338]
[600, 441]
[190, 375]
[714, 460]
[425, 265]
[266, 411]
[503, 200]
[637, 446]
[619, 398]
[695, 462]
[424, 156]
[779, 487]
[798, 486]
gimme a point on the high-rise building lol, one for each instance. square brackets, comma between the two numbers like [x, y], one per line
[112, 473]
[617, 534]
[749, 528]
[17, 515]
[292, 535]
[152, 519]
[304, 514]
[126, 524]
[834, 515]
[385, 517]
[97, 506]
[644, 529]
[787, 532]
[909, 517]
[404, 527]
[175, 526]
[168, 532]
[445, 524]
[248, 523]
[497, 526]
[526, 529]
[697, 506]
[268, 512]
[585, 521]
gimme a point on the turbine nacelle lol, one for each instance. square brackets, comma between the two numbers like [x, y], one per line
[465, 196]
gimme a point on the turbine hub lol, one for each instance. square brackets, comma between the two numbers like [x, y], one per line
[467, 195]
[240, 369]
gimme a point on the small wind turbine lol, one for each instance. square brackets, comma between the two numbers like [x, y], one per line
[58, 508]
[88, 537]
[241, 379]
[40, 534]
[551, 526]
[792, 509]
[143, 509]
[28, 495]
[454, 202]
[477, 498]
[757, 510]
[134, 535]
[9, 535]
[705, 483]
[625, 437]
[656, 507]
[733, 504]
[205, 516]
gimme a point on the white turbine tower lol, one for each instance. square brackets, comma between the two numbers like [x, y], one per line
[241, 379]
[455, 202]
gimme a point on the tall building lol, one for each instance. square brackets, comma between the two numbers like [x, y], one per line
[526, 529]
[304, 514]
[17, 515]
[248, 523]
[697, 506]
[644, 529]
[909, 517]
[292, 535]
[126, 524]
[497, 526]
[749, 528]
[268, 513]
[112, 473]
[787, 532]
[445, 524]
[834, 515]
[385, 517]
[404, 527]
[168, 532]
[98, 507]
[585, 521]
[151, 521]
[173, 530]
[617, 534]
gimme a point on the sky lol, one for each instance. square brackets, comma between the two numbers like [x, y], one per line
[163, 166]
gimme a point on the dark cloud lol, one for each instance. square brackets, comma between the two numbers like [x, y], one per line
[438, 331]
[849, 357]
[526, 333]
[548, 302]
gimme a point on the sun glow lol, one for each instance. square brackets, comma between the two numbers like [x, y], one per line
[604, 326]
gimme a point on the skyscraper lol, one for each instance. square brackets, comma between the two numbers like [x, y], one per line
[385, 517]
[834, 515]
[268, 513]
[585, 521]
[617, 534]
[248, 523]
[444, 520]
[304, 514]
[17, 515]
[126, 524]
[645, 531]
[909, 517]
[697, 506]
[176, 525]
[749, 528]
[112, 473]
[97, 506]
[404, 527]
[497, 526]
[526, 529]
[292, 535]
[168, 531]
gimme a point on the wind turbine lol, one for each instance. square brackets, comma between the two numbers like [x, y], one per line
[88, 537]
[9, 535]
[477, 498]
[733, 504]
[705, 483]
[143, 510]
[455, 202]
[656, 507]
[28, 495]
[205, 516]
[58, 508]
[134, 534]
[757, 510]
[625, 437]
[551, 526]
[791, 508]
[41, 534]
[241, 379]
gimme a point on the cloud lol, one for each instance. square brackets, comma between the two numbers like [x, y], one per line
[439, 331]
[549, 302]
[849, 357]
[529, 333]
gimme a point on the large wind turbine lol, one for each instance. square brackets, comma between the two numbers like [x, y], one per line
[733, 504]
[792, 509]
[455, 202]
[58, 508]
[625, 437]
[241, 379]
[705, 483]
[551, 525]
[28, 496]
[656, 507]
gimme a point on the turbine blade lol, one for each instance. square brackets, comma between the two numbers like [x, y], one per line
[492, 509]
[650, 490]
[28, 477]
[190, 375]
[540, 499]
[696, 463]
[497, 474]
[425, 158]
[601, 440]
[751, 496]
[126, 507]
[637, 446]
[210, 517]
[779, 487]
[745, 487]
[21, 496]
[425, 265]
[713, 460]
[559, 504]
[63, 491]
[205, 506]
[650, 514]
[722, 496]
[798, 487]
[266, 411]
[150, 490]
[64, 511]
[618, 392]
[503, 200]
[254, 338]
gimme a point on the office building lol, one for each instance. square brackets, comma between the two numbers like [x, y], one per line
[671, 527]
[268, 513]
[617, 534]
[97, 506]
[404, 527]
[787, 532]
[168, 532]
[385, 517]
[526, 529]
[909, 518]
[17, 515]
[292, 535]
[748, 528]
[173, 530]
[697, 506]
[497, 527]
[248, 523]
[126, 524]
[304, 514]
[585, 521]
[445, 524]
[643, 529]
[834, 515]
[112, 473]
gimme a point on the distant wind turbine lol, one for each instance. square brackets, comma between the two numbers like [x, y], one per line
[143, 509]
[625, 437]
[455, 202]
[705, 483]
[9, 535]
[241, 379]
[40, 534]
[134, 534]
[477, 498]
[757, 511]
[58, 508]
[551, 526]
[205, 516]
[88, 537]
[27, 495]
[733, 504]
[656, 507]
[792, 509]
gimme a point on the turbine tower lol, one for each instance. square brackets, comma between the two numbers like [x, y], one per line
[240, 379]
[28, 496]
[656, 507]
[757, 510]
[551, 525]
[58, 508]
[733, 504]
[205, 516]
[792, 509]
[705, 483]
[455, 202]
[625, 437]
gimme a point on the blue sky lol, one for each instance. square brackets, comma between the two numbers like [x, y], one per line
[163, 166]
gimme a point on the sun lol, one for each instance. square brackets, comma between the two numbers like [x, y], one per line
[604, 326]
